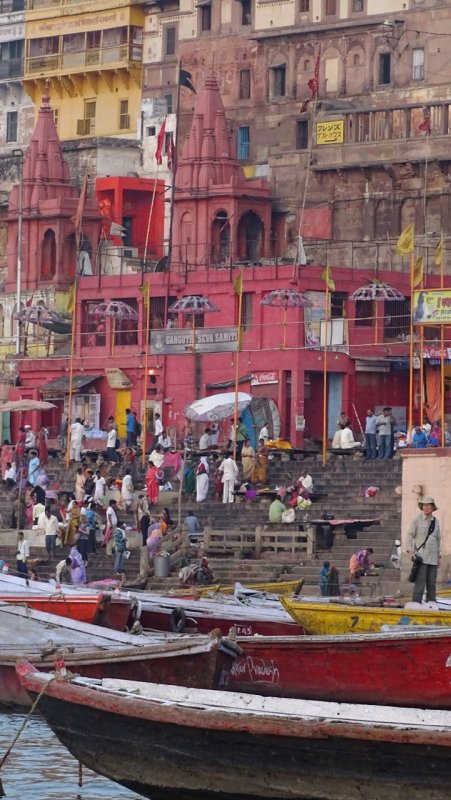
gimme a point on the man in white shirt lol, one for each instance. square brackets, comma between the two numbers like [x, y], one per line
[99, 483]
[30, 438]
[111, 453]
[50, 525]
[306, 481]
[127, 490]
[205, 440]
[23, 554]
[63, 570]
[157, 428]
[347, 441]
[10, 475]
[77, 433]
[157, 456]
[230, 474]
[264, 433]
[165, 441]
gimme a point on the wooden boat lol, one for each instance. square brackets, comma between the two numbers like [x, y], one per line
[285, 588]
[188, 743]
[97, 652]
[255, 616]
[108, 609]
[406, 667]
[331, 618]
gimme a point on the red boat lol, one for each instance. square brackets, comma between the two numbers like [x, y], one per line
[97, 608]
[402, 668]
[97, 652]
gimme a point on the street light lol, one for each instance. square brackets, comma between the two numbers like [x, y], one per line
[19, 155]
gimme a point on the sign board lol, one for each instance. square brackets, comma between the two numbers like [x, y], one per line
[264, 378]
[432, 308]
[313, 315]
[436, 353]
[184, 341]
[331, 132]
[117, 379]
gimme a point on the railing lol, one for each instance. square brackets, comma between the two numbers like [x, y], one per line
[264, 542]
[33, 4]
[11, 69]
[99, 57]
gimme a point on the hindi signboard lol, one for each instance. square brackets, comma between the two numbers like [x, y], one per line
[432, 307]
[183, 341]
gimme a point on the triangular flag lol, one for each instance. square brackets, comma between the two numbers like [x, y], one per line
[238, 284]
[185, 80]
[418, 270]
[160, 144]
[326, 276]
[145, 291]
[405, 243]
[438, 255]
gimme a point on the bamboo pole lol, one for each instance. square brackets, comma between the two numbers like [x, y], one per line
[421, 375]
[442, 357]
[412, 266]
[71, 372]
[146, 370]
[237, 366]
[326, 324]
[149, 221]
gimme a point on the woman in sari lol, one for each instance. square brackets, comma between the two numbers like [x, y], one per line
[20, 447]
[154, 540]
[73, 515]
[80, 481]
[7, 456]
[261, 463]
[247, 459]
[152, 486]
[77, 566]
[190, 480]
[129, 463]
[202, 480]
[42, 445]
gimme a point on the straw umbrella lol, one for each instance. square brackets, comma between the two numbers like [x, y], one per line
[286, 298]
[116, 310]
[377, 291]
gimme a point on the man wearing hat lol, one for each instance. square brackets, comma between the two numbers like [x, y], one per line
[424, 540]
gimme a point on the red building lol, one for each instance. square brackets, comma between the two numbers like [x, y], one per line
[222, 224]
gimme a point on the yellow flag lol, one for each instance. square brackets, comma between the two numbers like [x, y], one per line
[438, 256]
[71, 298]
[145, 291]
[326, 276]
[418, 270]
[405, 242]
[238, 284]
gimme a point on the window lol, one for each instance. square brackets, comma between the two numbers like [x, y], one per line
[246, 12]
[418, 64]
[169, 98]
[151, 130]
[205, 17]
[169, 48]
[396, 319]
[244, 142]
[307, 65]
[278, 81]
[56, 117]
[356, 60]
[11, 126]
[93, 39]
[245, 84]
[302, 134]
[92, 325]
[384, 69]
[357, 5]
[247, 309]
[331, 8]
[304, 6]
[124, 118]
[337, 305]
[364, 313]
[126, 329]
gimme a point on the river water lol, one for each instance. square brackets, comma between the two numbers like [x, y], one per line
[40, 768]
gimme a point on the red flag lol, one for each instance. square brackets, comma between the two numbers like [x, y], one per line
[313, 84]
[160, 144]
[171, 154]
[29, 302]
[425, 125]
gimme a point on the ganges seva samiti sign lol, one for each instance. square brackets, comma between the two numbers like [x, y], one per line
[432, 307]
[176, 341]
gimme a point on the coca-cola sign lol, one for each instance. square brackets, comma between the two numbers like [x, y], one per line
[263, 378]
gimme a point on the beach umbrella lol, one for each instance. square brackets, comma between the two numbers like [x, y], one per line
[45, 318]
[377, 291]
[116, 310]
[216, 407]
[26, 405]
[191, 305]
[286, 298]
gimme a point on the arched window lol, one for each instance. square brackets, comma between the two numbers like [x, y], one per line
[250, 237]
[48, 255]
[220, 238]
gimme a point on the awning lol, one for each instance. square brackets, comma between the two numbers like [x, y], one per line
[231, 382]
[62, 385]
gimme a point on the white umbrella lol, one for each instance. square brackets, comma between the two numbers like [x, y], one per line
[218, 406]
[26, 405]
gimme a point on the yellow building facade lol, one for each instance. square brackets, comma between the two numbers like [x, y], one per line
[89, 55]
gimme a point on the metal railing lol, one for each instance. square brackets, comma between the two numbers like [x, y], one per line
[99, 57]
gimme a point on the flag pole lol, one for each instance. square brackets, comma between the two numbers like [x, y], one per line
[442, 354]
[149, 220]
[146, 295]
[421, 375]
[71, 371]
[412, 267]
[177, 119]
[326, 323]
[239, 281]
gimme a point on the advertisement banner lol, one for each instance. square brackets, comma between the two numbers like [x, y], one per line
[263, 378]
[180, 341]
[432, 307]
[331, 132]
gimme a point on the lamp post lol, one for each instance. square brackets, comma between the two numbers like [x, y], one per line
[19, 154]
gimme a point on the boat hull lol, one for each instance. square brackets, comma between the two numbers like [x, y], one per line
[158, 617]
[381, 669]
[166, 758]
[96, 609]
[330, 619]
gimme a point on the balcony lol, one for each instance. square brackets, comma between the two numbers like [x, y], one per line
[34, 5]
[11, 69]
[117, 57]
